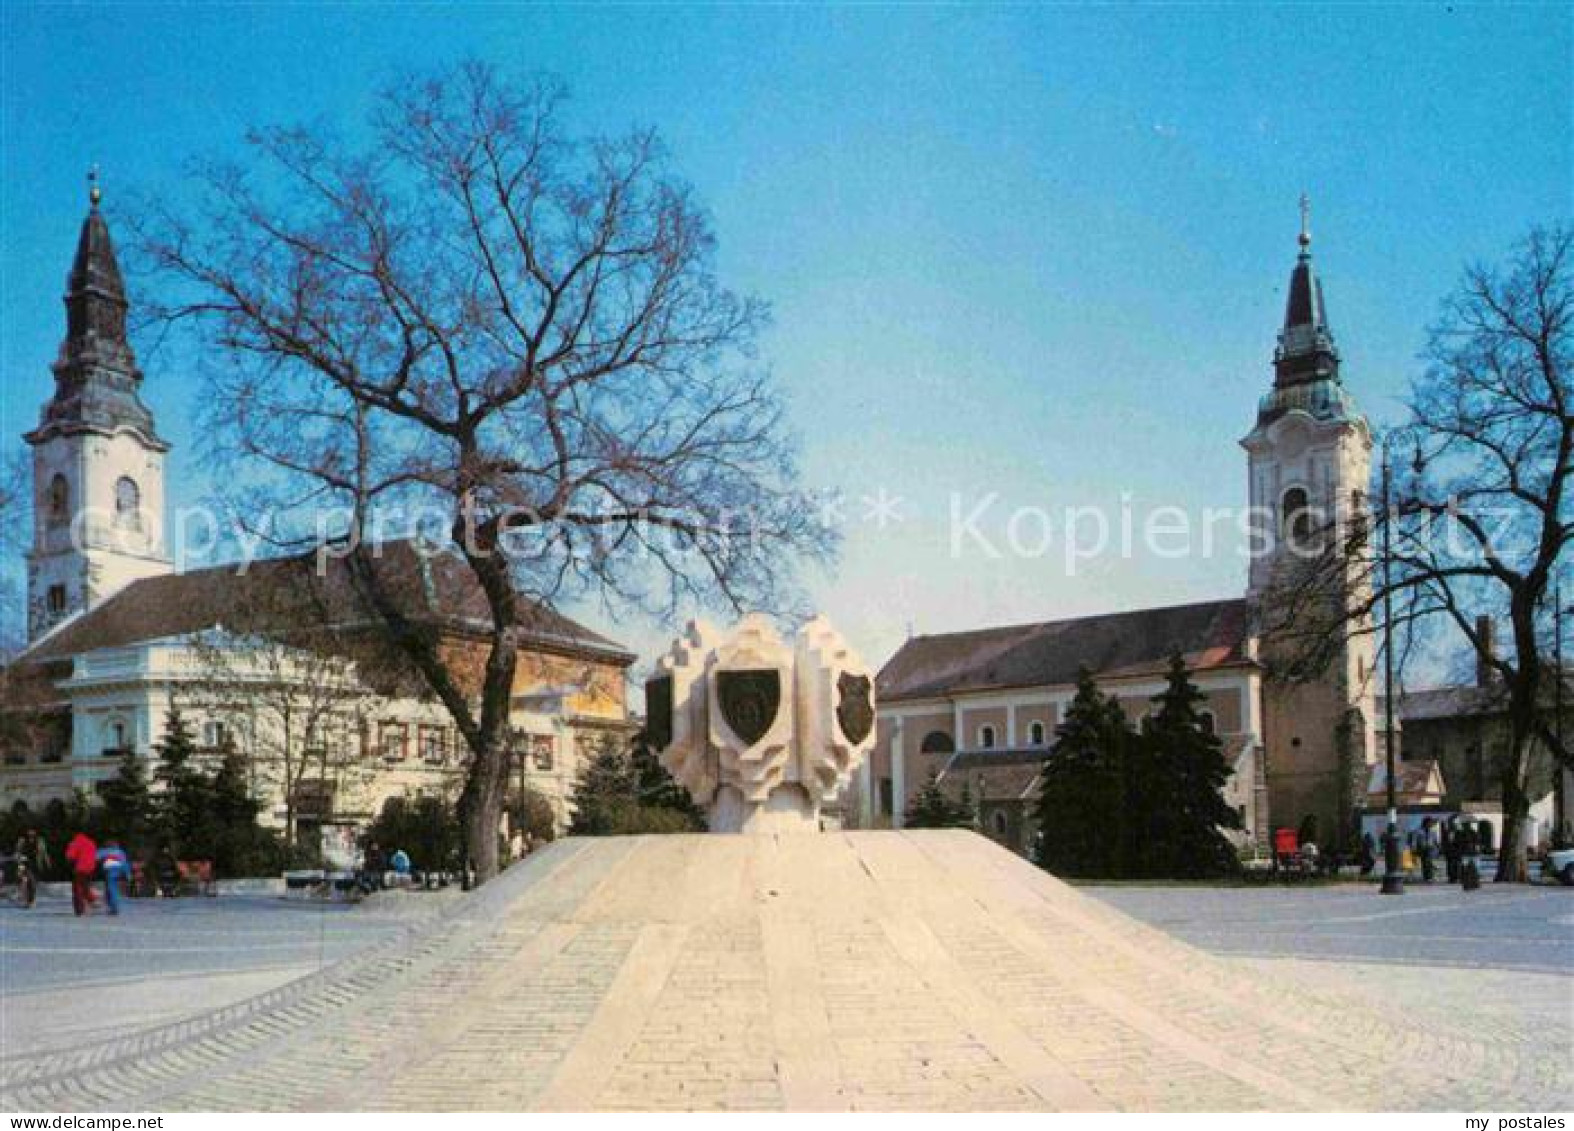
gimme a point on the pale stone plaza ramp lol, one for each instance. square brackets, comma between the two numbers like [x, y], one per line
[871, 970]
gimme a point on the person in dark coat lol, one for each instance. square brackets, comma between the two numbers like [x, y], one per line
[1368, 856]
[373, 865]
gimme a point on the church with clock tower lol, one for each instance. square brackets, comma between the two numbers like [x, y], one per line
[979, 708]
[119, 637]
[98, 461]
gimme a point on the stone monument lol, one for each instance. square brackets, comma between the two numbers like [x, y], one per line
[760, 730]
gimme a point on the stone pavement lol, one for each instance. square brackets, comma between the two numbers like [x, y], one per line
[881, 970]
[1504, 926]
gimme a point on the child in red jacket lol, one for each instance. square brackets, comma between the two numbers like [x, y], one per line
[82, 855]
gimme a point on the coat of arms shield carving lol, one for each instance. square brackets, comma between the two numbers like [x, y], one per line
[855, 706]
[749, 699]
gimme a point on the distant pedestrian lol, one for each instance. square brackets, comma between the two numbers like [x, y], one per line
[400, 862]
[82, 855]
[1368, 857]
[1424, 844]
[1469, 867]
[1451, 849]
[373, 865]
[166, 872]
[32, 851]
[112, 861]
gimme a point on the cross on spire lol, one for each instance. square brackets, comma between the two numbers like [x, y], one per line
[1306, 221]
[94, 195]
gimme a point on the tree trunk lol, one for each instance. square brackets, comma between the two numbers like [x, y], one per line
[481, 806]
[1511, 864]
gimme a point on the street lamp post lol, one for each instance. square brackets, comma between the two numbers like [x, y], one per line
[1558, 800]
[1393, 881]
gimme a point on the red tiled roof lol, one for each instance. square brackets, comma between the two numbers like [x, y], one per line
[434, 589]
[1209, 634]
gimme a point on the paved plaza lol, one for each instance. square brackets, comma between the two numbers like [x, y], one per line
[65, 980]
[1502, 926]
[858, 971]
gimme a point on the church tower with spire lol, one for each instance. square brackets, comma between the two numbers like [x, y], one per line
[98, 461]
[1309, 460]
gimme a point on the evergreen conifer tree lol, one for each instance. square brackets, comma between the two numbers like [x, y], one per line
[128, 805]
[932, 808]
[1081, 805]
[182, 806]
[239, 844]
[1188, 779]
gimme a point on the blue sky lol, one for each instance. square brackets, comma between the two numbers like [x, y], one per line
[1034, 251]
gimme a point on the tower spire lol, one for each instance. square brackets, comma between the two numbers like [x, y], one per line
[1306, 344]
[96, 374]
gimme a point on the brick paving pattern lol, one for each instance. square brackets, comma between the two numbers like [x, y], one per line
[856, 971]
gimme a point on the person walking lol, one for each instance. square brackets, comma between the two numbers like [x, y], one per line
[33, 854]
[1469, 846]
[166, 872]
[112, 860]
[1451, 849]
[82, 855]
[1425, 846]
[373, 865]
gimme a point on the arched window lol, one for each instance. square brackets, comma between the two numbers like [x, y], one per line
[998, 820]
[1035, 733]
[986, 737]
[937, 742]
[59, 499]
[116, 737]
[1295, 518]
[128, 502]
[1209, 724]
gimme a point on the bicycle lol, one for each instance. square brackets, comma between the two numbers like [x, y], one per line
[17, 883]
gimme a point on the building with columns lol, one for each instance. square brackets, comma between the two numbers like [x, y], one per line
[981, 707]
[275, 657]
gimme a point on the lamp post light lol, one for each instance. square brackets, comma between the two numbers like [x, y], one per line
[1393, 881]
[1393, 878]
[1559, 801]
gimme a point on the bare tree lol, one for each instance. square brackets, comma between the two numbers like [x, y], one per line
[480, 318]
[1479, 519]
[15, 510]
[293, 695]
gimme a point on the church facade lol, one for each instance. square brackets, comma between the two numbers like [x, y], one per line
[118, 637]
[980, 708]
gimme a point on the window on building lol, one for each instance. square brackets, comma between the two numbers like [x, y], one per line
[215, 734]
[543, 749]
[314, 799]
[937, 742]
[1035, 733]
[1295, 518]
[434, 745]
[128, 503]
[391, 742]
[117, 738]
[986, 737]
[1208, 723]
[55, 599]
[998, 821]
[59, 500]
[885, 797]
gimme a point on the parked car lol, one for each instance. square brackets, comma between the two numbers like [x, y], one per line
[1560, 863]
